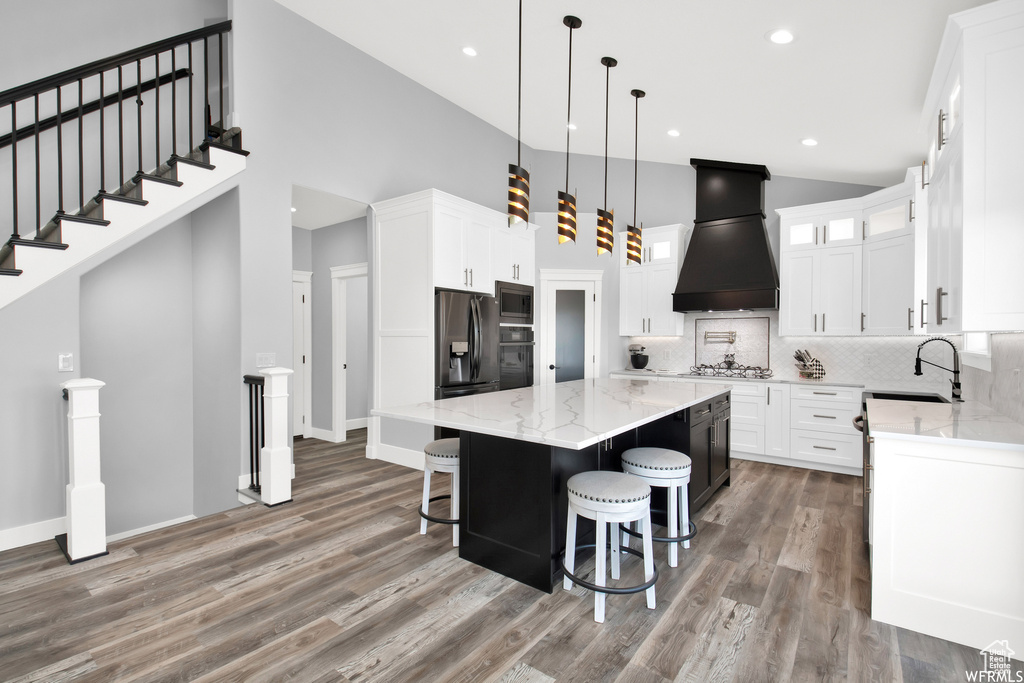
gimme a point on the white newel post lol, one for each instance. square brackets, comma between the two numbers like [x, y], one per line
[85, 494]
[275, 458]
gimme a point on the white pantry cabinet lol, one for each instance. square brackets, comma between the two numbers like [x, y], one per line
[974, 105]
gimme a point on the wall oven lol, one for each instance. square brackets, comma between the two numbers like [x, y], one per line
[515, 356]
[515, 303]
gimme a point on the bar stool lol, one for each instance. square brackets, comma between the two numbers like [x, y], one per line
[442, 455]
[670, 470]
[608, 498]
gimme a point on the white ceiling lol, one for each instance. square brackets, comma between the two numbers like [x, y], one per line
[315, 209]
[854, 78]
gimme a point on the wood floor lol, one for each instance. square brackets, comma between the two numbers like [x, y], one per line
[339, 586]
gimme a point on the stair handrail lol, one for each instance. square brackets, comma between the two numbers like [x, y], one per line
[70, 76]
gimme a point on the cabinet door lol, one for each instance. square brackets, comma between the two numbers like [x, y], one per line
[660, 282]
[840, 229]
[718, 467]
[660, 245]
[450, 270]
[632, 320]
[889, 219]
[776, 424]
[525, 257]
[798, 300]
[889, 286]
[700, 459]
[477, 241]
[839, 290]
[945, 216]
[503, 255]
[799, 233]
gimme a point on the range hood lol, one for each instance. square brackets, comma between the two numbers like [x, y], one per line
[729, 264]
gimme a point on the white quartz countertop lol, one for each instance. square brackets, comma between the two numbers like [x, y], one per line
[970, 423]
[572, 415]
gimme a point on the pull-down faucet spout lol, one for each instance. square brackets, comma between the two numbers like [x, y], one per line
[956, 365]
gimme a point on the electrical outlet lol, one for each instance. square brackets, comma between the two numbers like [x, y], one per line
[65, 362]
[266, 360]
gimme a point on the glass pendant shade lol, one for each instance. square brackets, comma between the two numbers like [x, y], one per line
[633, 244]
[605, 231]
[518, 194]
[566, 217]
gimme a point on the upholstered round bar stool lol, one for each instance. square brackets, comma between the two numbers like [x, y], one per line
[441, 455]
[668, 469]
[608, 498]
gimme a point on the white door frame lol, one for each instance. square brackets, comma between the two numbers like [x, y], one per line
[551, 280]
[302, 279]
[340, 275]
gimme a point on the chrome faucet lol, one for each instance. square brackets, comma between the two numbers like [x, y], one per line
[956, 365]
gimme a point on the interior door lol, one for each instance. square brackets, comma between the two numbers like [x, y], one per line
[570, 334]
[301, 343]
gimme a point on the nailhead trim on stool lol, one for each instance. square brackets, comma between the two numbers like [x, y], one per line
[441, 455]
[668, 469]
[608, 498]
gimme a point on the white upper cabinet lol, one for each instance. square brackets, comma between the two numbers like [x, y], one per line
[462, 233]
[645, 289]
[889, 286]
[833, 224]
[513, 254]
[974, 106]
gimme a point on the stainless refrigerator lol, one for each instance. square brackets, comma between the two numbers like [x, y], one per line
[466, 344]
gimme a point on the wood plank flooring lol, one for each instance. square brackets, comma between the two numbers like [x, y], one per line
[339, 586]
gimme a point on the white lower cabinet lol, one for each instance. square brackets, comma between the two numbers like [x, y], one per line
[776, 420]
[833, 449]
[821, 425]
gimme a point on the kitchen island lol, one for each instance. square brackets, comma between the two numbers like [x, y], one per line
[519, 447]
[947, 518]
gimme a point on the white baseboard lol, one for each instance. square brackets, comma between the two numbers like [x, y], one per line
[791, 462]
[398, 456]
[324, 435]
[151, 527]
[32, 533]
[356, 423]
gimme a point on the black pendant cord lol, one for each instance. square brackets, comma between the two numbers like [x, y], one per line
[636, 147]
[519, 106]
[607, 84]
[568, 114]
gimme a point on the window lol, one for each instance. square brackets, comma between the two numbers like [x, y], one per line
[977, 350]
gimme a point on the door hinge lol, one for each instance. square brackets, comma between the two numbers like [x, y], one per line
[303, 359]
[303, 419]
[595, 296]
[303, 298]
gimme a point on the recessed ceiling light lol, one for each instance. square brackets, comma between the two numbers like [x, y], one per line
[780, 36]
[294, 209]
[469, 51]
[810, 142]
[673, 133]
[572, 126]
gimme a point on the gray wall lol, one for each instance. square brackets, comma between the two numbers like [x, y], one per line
[339, 245]
[216, 354]
[302, 256]
[136, 327]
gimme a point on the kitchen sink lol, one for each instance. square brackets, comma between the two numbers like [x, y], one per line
[902, 396]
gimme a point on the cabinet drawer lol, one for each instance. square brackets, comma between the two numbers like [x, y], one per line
[834, 449]
[748, 410]
[820, 416]
[746, 438]
[827, 393]
[700, 412]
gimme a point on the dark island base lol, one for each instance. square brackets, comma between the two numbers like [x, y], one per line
[514, 502]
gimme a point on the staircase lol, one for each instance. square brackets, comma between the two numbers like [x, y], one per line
[149, 199]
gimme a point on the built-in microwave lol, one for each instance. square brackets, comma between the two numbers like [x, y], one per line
[515, 303]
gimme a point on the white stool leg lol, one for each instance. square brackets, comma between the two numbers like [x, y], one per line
[600, 568]
[570, 548]
[684, 510]
[673, 524]
[648, 558]
[614, 538]
[455, 508]
[426, 499]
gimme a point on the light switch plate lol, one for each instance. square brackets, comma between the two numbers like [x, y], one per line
[65, 362]
[266, 360]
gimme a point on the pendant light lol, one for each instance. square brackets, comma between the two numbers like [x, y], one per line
[633, 232]
[519, 177]
[606, 218]
[566, 201]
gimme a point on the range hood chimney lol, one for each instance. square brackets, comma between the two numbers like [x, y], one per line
[729, 264]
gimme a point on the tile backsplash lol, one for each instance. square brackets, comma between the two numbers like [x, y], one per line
[1003, 387]
[882, 362]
